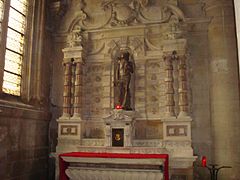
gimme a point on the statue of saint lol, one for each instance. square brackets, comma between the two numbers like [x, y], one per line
[123, 73]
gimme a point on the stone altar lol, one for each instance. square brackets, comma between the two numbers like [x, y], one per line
[159, 122]
[81, 166]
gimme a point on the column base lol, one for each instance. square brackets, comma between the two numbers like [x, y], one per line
[76, 116]
[183, 114]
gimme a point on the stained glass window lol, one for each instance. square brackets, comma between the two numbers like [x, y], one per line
[15, 47]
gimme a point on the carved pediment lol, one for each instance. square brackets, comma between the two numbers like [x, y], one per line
[119, 115]
[114, 13]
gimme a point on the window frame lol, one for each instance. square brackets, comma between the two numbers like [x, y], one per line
[27, 53]
[237, 23]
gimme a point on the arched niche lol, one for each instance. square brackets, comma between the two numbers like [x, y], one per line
[117, 94]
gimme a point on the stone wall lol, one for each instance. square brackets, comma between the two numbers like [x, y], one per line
[23, 142]
[199, 79]
[24, 120]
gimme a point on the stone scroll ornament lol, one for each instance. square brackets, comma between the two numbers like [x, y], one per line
[126, 13]
[75, 37]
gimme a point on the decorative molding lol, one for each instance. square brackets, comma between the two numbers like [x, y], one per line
[119, 114]
[75, 38]
[142, 150]
[126, 13]
[122, 13]
[171, 41]
[177, 144]
[148, 143]
[134, 45]
[151, 46]
[97, 51]
[177, 130]
[69, 130]
[119, 118]
[212, 4]
[82, 18]
[184, 162]
[166, 12]
[162, 144]
[92, 142]
[111, 174]
[66, 142]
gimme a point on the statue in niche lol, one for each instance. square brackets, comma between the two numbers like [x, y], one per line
[123, 72]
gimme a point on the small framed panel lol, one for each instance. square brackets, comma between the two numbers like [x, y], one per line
[176, 130]
[117, 137]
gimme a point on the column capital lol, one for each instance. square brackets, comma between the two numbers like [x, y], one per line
[175, 56]
[79, 60]
[216, 2]
[73, 52]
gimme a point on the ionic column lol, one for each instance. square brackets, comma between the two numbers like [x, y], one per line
[182, 89]
[224, 87]
[67, 89]
[169, 86]
[78, 89]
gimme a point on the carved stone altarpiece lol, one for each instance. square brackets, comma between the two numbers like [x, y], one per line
[152, 32]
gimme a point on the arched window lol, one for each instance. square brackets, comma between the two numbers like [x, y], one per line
[13, 18]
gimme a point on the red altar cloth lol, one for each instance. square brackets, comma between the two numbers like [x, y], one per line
[63, 165]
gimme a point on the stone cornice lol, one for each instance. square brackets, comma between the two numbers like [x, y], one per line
[22, 111]
[198, 20]
[212, 4]
[198, 24]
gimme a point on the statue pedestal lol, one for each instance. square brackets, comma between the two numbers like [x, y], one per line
[119, 127]
[69, 133]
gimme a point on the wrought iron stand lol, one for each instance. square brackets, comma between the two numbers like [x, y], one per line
[214, 169]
